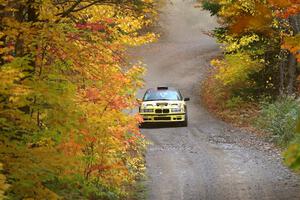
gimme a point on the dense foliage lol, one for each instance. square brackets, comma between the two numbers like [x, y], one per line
[280, 118]
[66, 91]
[260, 41]
[257, 33]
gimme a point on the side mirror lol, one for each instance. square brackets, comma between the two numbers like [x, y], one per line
[186, 99]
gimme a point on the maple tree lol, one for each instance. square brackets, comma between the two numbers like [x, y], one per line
[261, 30]
[66, 90]
[290, 10]
[248, 43]
[261, 43]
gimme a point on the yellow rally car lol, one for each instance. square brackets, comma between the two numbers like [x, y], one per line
[164, 104]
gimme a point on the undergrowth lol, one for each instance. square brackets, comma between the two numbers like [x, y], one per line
[223, 104]
[276, 119]
[279, 118]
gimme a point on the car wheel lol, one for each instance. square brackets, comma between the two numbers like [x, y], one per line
[141, 125]
[185, 122]
[144, 125]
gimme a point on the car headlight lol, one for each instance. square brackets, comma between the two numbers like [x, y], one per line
[176, 110]
[147, 110]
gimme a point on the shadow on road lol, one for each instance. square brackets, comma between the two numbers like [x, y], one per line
[159, 125]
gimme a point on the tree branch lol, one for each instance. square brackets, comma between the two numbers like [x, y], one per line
[68, 11]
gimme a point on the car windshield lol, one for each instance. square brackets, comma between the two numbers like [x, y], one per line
[162, 95]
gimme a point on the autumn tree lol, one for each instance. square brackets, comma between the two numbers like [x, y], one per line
[288, 13]
[66, 90]
[260, 30]
[260, 41]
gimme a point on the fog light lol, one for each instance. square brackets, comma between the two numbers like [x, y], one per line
[176, 109]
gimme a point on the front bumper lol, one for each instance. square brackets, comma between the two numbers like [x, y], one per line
[178, 117]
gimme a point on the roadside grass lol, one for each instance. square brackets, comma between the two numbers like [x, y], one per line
[280, 119]
[276, 120]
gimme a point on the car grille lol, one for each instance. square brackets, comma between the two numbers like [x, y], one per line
[161, 104]
[162, 118]
[162, 111]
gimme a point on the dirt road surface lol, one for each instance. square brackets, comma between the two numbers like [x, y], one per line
[209, 159]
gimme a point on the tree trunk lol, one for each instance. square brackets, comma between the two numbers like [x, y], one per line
[295, 23]
[292, 63]
[282, 74]
[291, 60]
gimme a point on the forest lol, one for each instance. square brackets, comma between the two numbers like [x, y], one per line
[255, 81]
[65, 83]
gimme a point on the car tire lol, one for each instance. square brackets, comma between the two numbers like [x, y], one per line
[144, 125]
[141, 125]
[185, 122]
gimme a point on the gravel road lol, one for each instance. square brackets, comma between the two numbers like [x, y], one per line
[209, 159]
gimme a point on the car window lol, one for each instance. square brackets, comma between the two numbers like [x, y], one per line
[162, 95]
